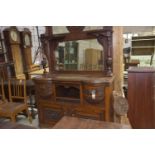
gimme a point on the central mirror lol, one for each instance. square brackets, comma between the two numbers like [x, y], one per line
[80, 55]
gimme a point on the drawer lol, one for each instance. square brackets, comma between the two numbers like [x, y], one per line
[89, 115]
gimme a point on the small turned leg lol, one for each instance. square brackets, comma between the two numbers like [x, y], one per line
[13, 118]
[29, 116]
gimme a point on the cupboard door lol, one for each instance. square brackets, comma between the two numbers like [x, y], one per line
[49, 116]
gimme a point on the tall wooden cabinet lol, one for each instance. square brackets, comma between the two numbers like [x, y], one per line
[26, 45]
[93, 59]
[12, 42]
[67, 56]
[3, 68]
[141, 97]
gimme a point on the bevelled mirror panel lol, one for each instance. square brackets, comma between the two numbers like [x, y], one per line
[80, 55]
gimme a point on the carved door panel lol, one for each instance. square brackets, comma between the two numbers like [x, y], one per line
[44, 91]
[49, 116]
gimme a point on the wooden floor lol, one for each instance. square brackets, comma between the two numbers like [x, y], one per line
[80, 123]
[22, 122]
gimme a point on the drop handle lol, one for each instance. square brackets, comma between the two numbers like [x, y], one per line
[65, 113]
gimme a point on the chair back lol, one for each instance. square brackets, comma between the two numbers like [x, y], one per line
[17, 90]
[2, 94]
[3, 72]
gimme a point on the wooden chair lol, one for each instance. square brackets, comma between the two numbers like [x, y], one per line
[18, 100]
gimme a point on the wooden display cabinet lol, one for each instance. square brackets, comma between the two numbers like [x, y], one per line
[68, 56]
[143, 45]
[85, 94]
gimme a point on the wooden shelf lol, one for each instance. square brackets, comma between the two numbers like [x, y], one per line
[143, 45]
[144, 39]
[70, 63]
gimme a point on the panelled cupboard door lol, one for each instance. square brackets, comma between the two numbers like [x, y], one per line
[49, 116]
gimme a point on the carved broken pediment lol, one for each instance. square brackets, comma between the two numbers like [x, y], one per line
[75, 28]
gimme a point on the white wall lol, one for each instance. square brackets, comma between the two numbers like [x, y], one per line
[138, 29]
[62, 29]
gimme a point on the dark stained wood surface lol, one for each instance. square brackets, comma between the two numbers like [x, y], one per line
[104, 37]
[76, 78]
[141, 97]
[80, 123]
[70, 94]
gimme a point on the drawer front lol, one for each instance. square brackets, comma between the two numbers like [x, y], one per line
[93, 94]
[89, 115]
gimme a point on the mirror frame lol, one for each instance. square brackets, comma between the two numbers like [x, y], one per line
[104, 37]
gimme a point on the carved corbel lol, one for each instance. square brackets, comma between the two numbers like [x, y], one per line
[105, 40]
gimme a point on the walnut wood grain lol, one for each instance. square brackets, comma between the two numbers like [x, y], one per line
[141, 84]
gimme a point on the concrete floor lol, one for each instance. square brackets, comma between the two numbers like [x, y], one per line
[21, 119]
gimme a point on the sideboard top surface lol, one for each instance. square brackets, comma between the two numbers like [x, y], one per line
[87, 78]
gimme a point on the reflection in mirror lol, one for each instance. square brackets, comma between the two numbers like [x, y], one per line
[81, 55]
[59, 29]
[93, 28]
[63, 29]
